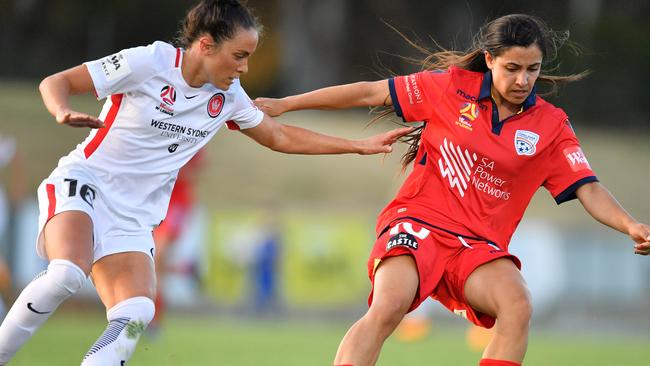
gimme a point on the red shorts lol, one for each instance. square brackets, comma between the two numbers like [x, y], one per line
[177, 215]
[444, 262]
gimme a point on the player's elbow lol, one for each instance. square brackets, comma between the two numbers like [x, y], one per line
[45, 83]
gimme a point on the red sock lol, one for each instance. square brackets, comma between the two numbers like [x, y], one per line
[491, 362]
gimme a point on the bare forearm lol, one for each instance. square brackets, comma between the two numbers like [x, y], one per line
[296, 140]
[361, 94]
[55, 91]
[603, 207]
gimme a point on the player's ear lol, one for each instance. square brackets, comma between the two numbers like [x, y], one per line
[489, 60]
[206, 44]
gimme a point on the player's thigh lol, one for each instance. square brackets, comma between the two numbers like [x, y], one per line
[395, 284]
[69, 235]
[121, 276]
[496, 285]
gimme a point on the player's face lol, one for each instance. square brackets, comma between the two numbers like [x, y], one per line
[514, 73]
[229, 60]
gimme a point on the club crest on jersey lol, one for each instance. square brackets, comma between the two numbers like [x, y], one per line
[526, 142]
[468, 113]
[215, 105]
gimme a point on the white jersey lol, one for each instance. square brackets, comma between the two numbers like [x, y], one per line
[155, 122]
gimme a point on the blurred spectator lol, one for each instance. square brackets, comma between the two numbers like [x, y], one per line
[181, 206]
[12, 174]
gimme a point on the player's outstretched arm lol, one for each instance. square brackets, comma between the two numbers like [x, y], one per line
[56, 89]
[361, 94]
[602, 206]
[296, 140]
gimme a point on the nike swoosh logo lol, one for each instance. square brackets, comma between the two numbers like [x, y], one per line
[192, 97]
[29, 306]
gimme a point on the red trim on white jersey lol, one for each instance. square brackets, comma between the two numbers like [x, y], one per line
[51, 199]
[232, 125]
[116, 100]
[177, 63]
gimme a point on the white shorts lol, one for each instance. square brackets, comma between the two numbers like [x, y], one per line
[74, 190]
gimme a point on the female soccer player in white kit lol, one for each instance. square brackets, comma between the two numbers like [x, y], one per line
[99, 206]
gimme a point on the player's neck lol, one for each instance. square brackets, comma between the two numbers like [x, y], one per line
[191, 69]
[504, 107]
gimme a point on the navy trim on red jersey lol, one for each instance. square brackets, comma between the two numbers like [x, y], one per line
[486, 92]
[393, 97]
[570, 193]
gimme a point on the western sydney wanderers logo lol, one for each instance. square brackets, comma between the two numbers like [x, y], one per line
[215, 105]
[526, 142]
[456, 165]
[468, 113]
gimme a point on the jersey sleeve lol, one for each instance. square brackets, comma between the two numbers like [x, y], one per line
[569, 168]
[124, 71]
[415, 95]
[245, 113]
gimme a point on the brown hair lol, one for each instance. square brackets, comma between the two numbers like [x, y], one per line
[221, 19]
[495, 37]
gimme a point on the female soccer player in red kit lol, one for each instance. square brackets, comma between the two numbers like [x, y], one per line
[100, 205]
[487, 143]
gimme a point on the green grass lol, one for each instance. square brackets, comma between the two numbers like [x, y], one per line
[203, 340]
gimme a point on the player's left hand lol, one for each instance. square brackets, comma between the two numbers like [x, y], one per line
[77, 119]
[640, 233]
[382, 143]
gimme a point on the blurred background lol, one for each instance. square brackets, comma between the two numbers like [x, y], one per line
[274, 248]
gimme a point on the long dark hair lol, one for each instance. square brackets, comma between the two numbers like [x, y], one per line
[495, 37]
[221, 19]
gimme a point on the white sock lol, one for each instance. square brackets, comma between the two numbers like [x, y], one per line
[36, 303]
[126, 322]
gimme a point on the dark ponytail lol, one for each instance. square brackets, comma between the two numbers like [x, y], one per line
[221, 19]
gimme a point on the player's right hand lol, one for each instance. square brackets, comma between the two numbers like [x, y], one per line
[640, 234]
[272, 106]
[76, 119]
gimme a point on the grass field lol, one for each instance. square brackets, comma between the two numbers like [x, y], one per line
[204, 340]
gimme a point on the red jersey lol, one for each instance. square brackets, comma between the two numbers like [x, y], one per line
[474, 175]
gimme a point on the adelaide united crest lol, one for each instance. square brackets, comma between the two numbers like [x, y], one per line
[526, 142]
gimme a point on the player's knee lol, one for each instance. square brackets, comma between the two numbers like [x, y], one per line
[65, 275]
[518, 311]
[388, 314]
[138, 310]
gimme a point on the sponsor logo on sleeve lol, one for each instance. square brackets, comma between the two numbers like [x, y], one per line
[115, 67]
[576, 158]
[413, 90]
[526, 142]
